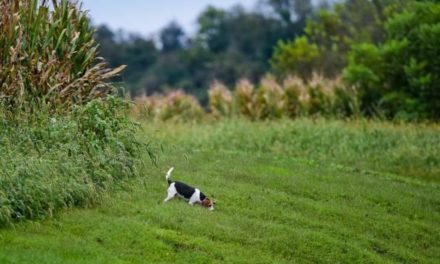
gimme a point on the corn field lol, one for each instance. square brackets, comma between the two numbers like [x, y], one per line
[319, 97]
[48, 55]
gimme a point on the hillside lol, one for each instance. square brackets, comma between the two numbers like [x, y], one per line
[304, 191]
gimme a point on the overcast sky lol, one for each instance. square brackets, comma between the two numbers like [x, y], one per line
[149, 16]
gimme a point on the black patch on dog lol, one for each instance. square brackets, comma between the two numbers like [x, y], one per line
[184, 190]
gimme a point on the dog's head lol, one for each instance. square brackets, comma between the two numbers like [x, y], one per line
[208, 203]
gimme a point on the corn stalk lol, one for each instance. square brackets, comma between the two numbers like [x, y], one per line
[48, 55]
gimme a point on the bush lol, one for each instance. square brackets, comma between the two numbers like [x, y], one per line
[402, 75]
[50, 162]
[299, 57]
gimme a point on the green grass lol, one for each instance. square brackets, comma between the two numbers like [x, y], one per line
[287, 192]
[51, 162]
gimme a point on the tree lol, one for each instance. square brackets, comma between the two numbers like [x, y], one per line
[405, 69]
[333, 32]
[228, 45]
[172, 38]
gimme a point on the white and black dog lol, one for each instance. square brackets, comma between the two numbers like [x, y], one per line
[191, 194]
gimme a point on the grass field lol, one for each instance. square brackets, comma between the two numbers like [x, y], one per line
[287, 192]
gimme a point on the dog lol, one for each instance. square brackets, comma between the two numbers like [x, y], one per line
[191, 194]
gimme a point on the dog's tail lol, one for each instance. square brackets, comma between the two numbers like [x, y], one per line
[168, 176]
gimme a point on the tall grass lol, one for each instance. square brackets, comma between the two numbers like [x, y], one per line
[50, 162]
[410, 151]
[63, 139]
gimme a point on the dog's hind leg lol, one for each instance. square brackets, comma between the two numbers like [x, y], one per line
[171, 192]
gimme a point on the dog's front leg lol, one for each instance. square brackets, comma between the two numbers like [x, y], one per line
[168, 198]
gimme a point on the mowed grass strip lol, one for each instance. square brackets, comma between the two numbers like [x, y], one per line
[272, 207]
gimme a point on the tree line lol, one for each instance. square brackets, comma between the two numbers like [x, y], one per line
[388, 50]
[228, 45]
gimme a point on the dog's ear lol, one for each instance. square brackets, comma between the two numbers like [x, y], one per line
[206, 202]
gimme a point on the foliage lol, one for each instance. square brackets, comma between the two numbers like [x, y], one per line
[229, 45]
[50, 162]
[329, 37]
[64, 140]
[401, 76]
[48, 56]
[297, 56]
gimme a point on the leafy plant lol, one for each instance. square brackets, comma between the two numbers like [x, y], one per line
[402, 75]
[50, 162]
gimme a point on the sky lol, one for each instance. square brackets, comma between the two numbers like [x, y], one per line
[147, 17]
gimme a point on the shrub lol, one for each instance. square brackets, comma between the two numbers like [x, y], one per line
[365, 71]
[402, 75]
[346, 101]
[50, 162]
[298, 56]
